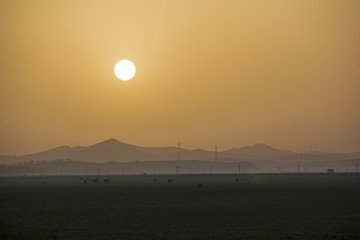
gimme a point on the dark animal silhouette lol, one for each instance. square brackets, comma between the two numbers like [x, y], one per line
[199, 185]
[95, 180]
[237, 180]
[85, 182]
[169, 180]
[155, 179]
[106, 180]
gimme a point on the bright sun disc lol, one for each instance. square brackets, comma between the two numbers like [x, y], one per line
[124, 70]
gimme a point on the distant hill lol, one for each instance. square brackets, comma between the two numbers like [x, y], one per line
[62, 152]
[112, 150]
[261, 151]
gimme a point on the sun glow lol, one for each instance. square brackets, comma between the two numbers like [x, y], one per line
[124, 70]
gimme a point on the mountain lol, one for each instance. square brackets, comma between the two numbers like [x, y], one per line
[113, 150]
[262, 155]
[261, 151]
[62, 152]
[110, 150]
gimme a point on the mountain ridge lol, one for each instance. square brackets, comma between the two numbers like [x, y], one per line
[113, 150]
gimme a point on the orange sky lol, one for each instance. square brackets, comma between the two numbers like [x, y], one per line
[232, 73]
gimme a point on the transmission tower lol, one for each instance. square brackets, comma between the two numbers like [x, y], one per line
[215, 153]
[178, 151]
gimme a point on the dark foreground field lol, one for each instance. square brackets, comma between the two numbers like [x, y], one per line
[136, 207]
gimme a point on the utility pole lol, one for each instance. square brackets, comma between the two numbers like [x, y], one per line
[215, 153]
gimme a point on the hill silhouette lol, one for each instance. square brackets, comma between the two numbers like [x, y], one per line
[113, 150]
[261, 155]
[261, 151]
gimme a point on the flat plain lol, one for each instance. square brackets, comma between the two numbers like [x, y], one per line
[254, 206]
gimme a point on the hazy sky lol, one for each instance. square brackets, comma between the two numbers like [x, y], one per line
[231, 73]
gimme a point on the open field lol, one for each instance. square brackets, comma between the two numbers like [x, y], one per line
[258, 206]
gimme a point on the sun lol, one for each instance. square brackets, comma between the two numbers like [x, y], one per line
[124, 70]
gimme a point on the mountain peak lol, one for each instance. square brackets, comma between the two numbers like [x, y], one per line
[111, 140]
[112, 143]
[260, 150]
[258, 146]
[63, 147]
[261, 145]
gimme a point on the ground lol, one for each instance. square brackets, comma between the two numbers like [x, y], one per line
[258, 206]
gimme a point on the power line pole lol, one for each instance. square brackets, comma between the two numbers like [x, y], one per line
[215, 153]
[298, 168]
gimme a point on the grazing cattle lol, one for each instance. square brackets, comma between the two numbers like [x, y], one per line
[169, 180]
[199, 185]
[95, 180]
[106, 180]
[85, 182]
